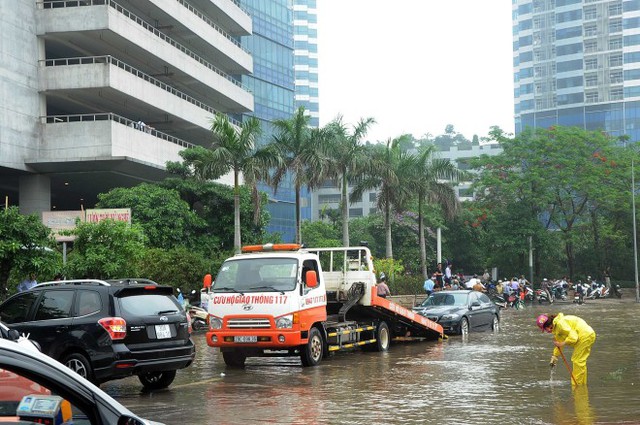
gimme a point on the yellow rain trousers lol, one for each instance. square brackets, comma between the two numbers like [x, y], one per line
[575, 333]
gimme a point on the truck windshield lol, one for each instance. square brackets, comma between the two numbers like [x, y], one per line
[257, 275]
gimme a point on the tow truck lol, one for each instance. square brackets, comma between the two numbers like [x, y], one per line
[286, 300]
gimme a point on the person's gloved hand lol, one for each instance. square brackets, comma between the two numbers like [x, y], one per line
[553, 361]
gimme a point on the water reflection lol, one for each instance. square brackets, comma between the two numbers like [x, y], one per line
[485, 378]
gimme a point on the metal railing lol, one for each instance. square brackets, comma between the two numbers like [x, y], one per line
[109, 116]
[108, 59]
[54, 4]
[211, 24]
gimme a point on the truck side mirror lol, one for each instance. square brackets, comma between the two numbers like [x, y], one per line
[207, 281]
[311, 278]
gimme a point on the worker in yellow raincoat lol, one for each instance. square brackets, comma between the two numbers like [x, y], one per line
[574, 332]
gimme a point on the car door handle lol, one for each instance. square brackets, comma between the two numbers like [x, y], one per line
[62, 329]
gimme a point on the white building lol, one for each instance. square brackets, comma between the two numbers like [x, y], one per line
[328, 196]
[101, 93]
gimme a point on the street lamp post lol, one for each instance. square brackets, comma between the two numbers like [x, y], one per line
[635, 235]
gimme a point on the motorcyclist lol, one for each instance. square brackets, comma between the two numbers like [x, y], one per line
[544, 286]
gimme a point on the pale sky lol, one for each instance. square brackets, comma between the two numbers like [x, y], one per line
[416, 65]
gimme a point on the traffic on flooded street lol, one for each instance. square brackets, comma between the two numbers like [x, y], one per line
[479, 378]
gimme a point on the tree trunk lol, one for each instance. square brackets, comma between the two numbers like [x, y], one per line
[298, 221]
[345, 211]
[237, 239]
[570, 259]
[421, 240]
[387, 229]
[596, 241]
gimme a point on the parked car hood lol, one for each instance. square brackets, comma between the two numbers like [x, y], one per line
[437, 309]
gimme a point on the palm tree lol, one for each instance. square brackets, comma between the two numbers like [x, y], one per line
[347, 158]
[234, 150]
[388, 171]
[428, 186]
[301, 149]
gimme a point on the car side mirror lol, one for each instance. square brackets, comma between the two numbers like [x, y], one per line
[13, 335]
[127, 420]
[475, 304]
[311, 279]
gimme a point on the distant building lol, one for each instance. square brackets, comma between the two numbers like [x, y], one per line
[577, 63]
[328, 196]
[305, 24]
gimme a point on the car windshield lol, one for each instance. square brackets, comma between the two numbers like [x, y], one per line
[257, 275]
[445, 299]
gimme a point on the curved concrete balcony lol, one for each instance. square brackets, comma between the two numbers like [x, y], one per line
[108, 84]
[104, 26]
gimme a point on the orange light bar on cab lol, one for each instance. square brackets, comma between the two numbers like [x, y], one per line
[271, 247]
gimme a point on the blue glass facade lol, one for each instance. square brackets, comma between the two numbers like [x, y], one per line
[273, 87]
[574, 65]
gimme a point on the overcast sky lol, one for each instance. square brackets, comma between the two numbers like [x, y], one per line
[416, 65]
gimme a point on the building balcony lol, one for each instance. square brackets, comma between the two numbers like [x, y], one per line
[103, 27]
[104, 83]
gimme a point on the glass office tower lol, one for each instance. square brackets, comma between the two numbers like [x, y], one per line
[273, 87]
[305, 24]
[577, 63]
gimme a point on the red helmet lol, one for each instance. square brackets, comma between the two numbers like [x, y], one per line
[541, 320]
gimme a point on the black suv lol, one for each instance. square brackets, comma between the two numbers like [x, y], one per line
[106, 330]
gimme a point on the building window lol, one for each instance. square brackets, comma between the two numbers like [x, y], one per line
[590, 30]
[355, 212]
[591, 80]
[591, 97]
[615, 59]
[616, 77]
[590, 13]
[591, 63]
[615, 43]
[590, 46]
[615, 8]
[328, 199]
[373, 196]
[616, 94]
[615, 25]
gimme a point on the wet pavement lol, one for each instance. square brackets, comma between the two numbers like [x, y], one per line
[485, 378]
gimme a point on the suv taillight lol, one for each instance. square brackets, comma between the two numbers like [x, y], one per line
[115, 326]
[189, 322]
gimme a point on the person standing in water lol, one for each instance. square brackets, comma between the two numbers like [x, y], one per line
[574, 332]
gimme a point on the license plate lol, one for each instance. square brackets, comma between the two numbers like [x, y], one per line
[163, 332]
[245, 339]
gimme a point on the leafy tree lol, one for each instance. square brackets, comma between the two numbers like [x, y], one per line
[167, 220]
[429, 186]
[302, 150]
[387, 170]
[25, 246]
[234, 150]
[347, 157]
[106, 250]
[179, 267]
[318, 234]
[559, 176]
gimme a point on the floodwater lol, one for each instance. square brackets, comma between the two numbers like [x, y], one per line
[485, 378]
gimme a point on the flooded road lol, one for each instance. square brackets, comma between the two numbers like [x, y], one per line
[485, 378]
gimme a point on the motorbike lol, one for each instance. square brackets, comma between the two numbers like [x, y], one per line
[199, 318]
[580, 293]
[559, 291]
[542, 296]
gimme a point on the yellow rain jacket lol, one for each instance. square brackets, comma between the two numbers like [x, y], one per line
[575, 333]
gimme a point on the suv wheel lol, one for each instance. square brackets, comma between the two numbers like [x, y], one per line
[157, 380]
[80, 365]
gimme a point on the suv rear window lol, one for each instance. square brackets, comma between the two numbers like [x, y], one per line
[18, 310]
[148, 304]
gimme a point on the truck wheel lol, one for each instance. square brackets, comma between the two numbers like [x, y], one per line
[383, 337]
[311, 353]
[157, 380]
[234, 359]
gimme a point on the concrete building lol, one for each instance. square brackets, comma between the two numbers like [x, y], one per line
[101, 93]
[328, 196]
[577, 63]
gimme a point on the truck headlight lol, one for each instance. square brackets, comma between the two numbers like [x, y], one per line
[450, 316]
[215, 323]
[285, 322]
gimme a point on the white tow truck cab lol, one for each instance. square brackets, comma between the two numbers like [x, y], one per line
[284, 300]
